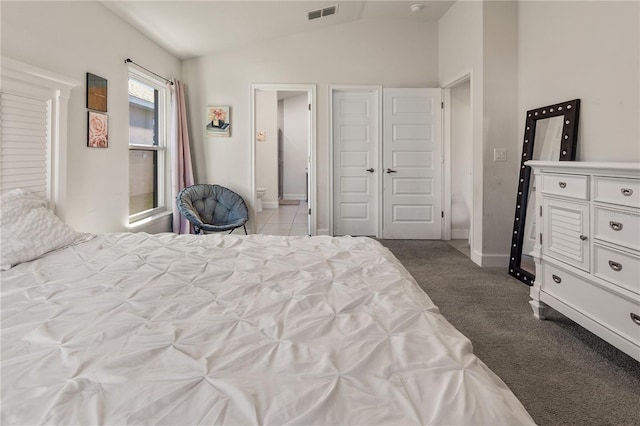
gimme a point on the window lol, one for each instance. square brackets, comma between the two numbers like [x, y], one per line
[147, 146]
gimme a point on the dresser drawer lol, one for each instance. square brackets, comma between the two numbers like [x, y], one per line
[574, 186]
[607, 308]
[617, 267]
[625, 192]
[617, 226]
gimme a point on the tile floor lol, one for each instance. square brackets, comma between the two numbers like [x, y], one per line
[292, 220]
[285, 220]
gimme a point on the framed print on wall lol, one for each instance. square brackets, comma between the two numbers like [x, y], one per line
[96, 93]
[98, 130]
[218, 121]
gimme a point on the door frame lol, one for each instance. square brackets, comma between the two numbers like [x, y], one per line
[377, 90]
[446, 129]
[311, 94]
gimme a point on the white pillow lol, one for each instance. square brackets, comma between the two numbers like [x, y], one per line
[29, 229]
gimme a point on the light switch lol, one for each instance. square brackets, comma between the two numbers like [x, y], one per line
[499, 154]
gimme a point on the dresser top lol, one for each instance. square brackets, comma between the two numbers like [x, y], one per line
[589, 167]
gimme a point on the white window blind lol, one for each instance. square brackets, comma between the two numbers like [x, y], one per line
[24, 143]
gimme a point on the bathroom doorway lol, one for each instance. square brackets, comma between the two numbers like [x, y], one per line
[283, 128]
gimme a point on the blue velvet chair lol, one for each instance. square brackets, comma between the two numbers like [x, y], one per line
[212, 208]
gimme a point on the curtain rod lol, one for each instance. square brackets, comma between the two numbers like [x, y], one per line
[126, 61]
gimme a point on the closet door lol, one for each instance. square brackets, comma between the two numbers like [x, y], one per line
[412, 159]
[355, 162]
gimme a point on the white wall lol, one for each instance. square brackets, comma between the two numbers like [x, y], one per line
[392, 53]
[587, 50]
[500, 129]
[480, 39]
[267, 150]
[460, 43]
[527, 54]
[459, 54]
[73, 38]
[295, 146]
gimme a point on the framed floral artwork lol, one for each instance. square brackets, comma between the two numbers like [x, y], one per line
[96, 92]
[98, 130]
[218, 121]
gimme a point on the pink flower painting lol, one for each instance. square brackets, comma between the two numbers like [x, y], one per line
[98, 130]
[218, 121]
[219, 114]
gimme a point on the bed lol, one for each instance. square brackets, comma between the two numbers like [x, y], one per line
[132, 328]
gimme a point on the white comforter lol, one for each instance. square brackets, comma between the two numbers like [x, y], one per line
[140, 329]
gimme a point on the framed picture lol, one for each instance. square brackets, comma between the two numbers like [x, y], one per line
[218, 121]
[98, 130]
[96, 93]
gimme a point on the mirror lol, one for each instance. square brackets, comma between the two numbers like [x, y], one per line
[550, 133]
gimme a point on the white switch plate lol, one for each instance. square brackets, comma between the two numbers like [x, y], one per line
[499, 154]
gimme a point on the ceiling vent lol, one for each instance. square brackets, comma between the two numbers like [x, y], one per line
[321, 13]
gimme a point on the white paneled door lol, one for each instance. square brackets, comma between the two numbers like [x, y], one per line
[355, 162]
[412, 160]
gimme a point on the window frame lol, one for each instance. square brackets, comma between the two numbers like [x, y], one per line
[161, 149]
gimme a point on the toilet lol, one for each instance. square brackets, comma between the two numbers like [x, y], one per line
[260, 192]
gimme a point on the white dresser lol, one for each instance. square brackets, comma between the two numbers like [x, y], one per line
[587, 253]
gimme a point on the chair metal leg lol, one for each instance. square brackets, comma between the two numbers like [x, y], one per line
[245, 230]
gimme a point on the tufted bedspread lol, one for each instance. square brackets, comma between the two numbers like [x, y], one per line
[238, 330]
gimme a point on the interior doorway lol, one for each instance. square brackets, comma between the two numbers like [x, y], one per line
[459, 164]
[283, 129]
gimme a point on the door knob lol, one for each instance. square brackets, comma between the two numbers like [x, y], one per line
[370, 170]
[391, 171]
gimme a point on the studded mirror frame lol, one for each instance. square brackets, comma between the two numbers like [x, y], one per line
[571, 112]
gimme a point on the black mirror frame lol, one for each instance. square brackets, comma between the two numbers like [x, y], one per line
[571, 112]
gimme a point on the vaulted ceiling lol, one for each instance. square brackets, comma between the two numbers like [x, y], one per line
[190, 29]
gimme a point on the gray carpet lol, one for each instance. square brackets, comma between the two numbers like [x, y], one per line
[562, 374]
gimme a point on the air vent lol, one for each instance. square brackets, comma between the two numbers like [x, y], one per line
[315, 14]
[329, 11]
[320, 13]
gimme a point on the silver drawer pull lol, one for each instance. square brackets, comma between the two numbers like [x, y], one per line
[556, 278]
[583, 237]
[627, 192]
[615, 266]
[616, 226]
[562, 184]
[635, 318]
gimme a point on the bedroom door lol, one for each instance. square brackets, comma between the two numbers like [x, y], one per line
[355, 123]
[412, 162]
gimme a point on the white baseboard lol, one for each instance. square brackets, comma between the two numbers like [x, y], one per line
[300, 197]
[490, 260]
[322, 232]
[459, 234]
[270, 205]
